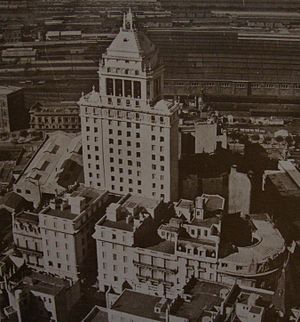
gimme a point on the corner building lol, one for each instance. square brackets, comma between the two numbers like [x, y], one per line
[129, 133]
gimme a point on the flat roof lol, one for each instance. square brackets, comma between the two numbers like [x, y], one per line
[163, 247]
[205, 296]
[120, 224]
[269, 245]
[138, 304]
[42, 283]
[136, 200]
[90, 195]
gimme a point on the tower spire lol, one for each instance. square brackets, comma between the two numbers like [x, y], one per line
[128, 20]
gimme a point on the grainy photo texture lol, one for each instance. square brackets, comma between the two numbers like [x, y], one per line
[149, 161]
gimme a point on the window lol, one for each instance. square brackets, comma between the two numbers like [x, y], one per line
[114, 256]
[127, 88]
[109, 86]
[113, 236]
[119, 87]
[137, 89]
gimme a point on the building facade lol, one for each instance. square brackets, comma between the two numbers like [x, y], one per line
[58, 240]
[13, 114]
[64, 117]
[129, 134]
[134, 248]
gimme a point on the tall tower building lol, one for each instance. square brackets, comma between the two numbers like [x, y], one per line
[129, 133]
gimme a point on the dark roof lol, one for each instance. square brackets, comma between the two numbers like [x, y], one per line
[13, 201]
[164, 247]
[205, 296]
[138, 304]
[284, 184]
[120, 224]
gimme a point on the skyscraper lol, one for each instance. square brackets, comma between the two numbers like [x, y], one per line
[129, 133]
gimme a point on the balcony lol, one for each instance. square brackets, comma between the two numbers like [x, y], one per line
[32, 252]
[155, 268]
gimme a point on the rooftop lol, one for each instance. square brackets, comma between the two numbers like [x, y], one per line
[120, 224]
[48, 168]
[138, 304]
[90, 195]
[163, 247]
[136, 200]
[270, 243]
[205, 296]
[6, 90]
[28, 217]
[42, 283]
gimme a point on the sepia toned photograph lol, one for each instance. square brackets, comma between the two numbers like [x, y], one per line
[150, 161]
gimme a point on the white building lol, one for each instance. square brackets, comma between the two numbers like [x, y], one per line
[129, 134]
[58, 239]
[134, 247]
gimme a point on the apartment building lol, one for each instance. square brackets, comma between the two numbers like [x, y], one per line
[129, 133]
[159, 256]
[67, 225]
[129, 222]
[58, 239]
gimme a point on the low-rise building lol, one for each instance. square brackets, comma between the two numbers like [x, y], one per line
[40, 296]
[198, 301]
[13, 114]
[63, 116]
[55, 166]
[19, 55]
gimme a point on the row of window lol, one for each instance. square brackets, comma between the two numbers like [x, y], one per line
[126, 88]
